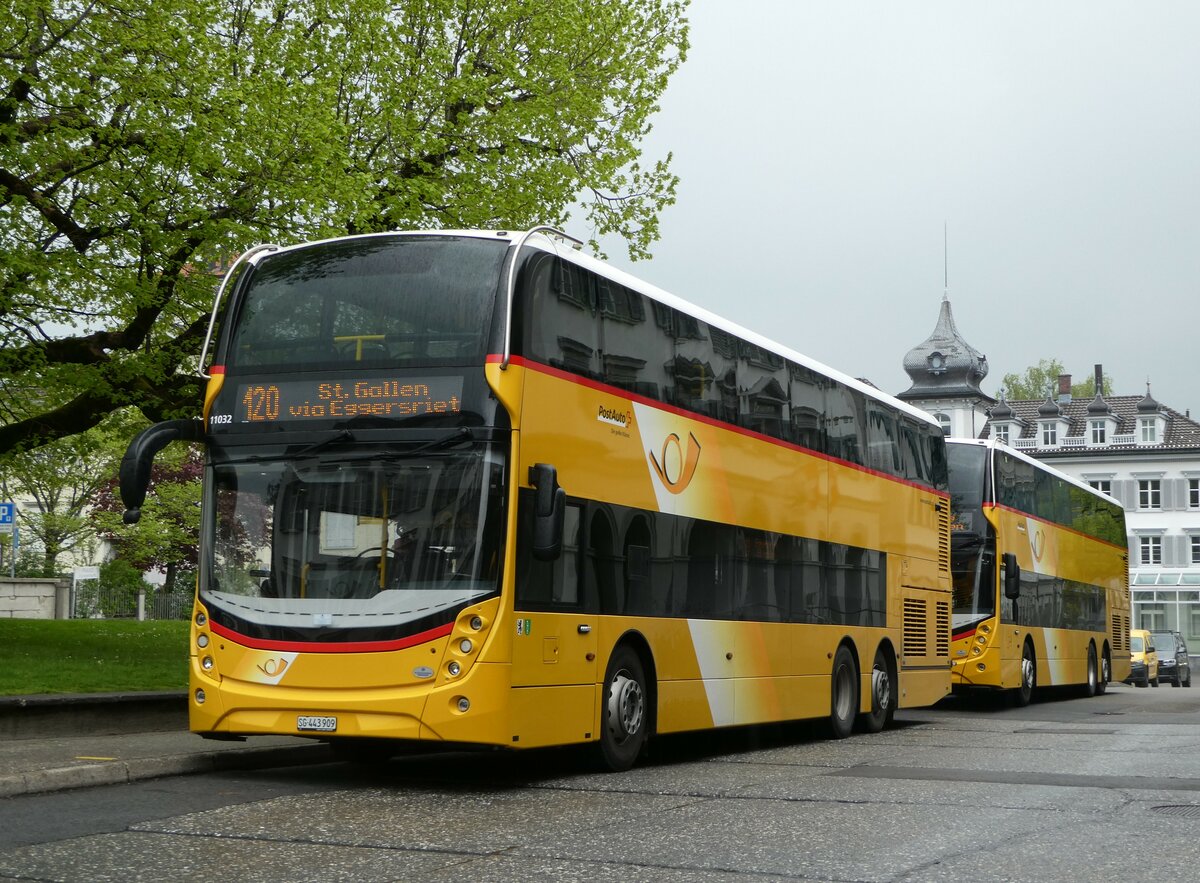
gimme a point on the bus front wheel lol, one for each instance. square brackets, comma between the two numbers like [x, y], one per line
[883, 695]
[624, 717]
[843, 693]
[1024, 693]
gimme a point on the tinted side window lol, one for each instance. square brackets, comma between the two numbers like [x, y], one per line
[1014, 483]
[558, 322]
[845, 424]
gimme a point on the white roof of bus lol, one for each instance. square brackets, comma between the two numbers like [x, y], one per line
[1037, 464]
[553, 246]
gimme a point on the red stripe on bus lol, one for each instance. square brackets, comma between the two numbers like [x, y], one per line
[333, 646]
[701, 418]
[1054, 524]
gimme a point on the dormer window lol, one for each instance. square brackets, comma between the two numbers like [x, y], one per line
[1001, 432]
[1098, 431]
[1049, 435]
[1148, 430]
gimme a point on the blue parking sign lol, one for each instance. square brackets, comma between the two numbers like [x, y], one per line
[6, 513]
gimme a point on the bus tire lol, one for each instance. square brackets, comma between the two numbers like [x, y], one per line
[1024, 693]
[624, 717]
[1092, 685]
[1105, 672]
[883, 695]
[843, 693]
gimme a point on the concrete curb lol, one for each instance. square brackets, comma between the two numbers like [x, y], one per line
[69, 714]
[120, 772]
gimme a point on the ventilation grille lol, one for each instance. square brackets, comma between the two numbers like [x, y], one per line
[943, 629]
[1120, 635]
[943, 511]
[915, 642]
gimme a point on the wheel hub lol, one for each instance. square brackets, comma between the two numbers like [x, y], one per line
[881, 687]
[626, 707]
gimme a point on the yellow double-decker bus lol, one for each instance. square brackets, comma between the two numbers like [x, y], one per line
[479, 488]
[1041, 576]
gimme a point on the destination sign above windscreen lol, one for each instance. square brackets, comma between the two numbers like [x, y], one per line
[267, 402]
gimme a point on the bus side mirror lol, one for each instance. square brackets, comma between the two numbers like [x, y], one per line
[1012, 577]
[134, 475]
[550, 505]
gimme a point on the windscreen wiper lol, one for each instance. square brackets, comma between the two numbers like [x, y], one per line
[344, 435]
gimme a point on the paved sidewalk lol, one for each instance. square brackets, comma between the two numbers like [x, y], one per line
[70, 751]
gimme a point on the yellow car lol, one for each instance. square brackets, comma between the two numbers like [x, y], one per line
[1143, 670]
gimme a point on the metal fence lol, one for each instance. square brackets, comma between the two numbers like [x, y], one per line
[93, 601]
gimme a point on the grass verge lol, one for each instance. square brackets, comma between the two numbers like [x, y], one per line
[91, 656]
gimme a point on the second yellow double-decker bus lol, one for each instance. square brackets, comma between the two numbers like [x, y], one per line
[1041, 575]
[476, 487]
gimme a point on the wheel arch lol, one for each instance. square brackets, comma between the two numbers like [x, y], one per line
[636, 641]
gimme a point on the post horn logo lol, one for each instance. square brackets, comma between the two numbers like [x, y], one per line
[673, 466]
[273, 668]
[1037, 544]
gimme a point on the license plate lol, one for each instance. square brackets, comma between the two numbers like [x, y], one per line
[319, 723]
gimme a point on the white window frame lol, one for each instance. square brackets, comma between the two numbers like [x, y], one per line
[1099, 431]
[1148, 430]
[1001, 432]
[1193, 493]
[1104, 485]
[1150, 551]
[1049, 435]
[1194, 541]
[1149, 495]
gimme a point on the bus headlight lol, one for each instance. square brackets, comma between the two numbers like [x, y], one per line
[464, 704]
[200, 696]
[454, 668]
[202, 640]
[206, 663]
[476, 622]
[465, 645]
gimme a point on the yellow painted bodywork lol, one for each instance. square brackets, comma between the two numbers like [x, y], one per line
[991, 657]
[536, 677]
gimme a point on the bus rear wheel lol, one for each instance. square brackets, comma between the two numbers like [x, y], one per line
[843, 694]
[1105, 673]
[624, 717]
[1091, 685]
[883, 695]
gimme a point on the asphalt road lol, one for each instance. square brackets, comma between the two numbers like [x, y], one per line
[1066, 789]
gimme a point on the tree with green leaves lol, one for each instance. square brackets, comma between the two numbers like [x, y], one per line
[144, 142]
[1041, 380]
[60, 480]
[165, 538]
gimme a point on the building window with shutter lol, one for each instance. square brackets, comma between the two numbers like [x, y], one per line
[1104, 485]
[1149, 493]
[1151, 548]
[1194, 493]
[1195, 539]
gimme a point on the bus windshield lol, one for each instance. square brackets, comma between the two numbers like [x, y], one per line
[383, 301]
[351, 538]
[972, 549]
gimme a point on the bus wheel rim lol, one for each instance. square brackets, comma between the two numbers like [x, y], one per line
[881, 688]
[626, 707]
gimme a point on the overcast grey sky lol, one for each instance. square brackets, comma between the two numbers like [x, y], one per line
[821, 147]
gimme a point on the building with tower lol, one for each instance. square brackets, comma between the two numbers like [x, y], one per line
[1141, 452]
[946, 372]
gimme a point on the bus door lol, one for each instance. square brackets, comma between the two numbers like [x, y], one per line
[555, 639]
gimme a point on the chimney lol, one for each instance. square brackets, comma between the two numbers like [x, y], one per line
[1099, 379]
[1064, 388]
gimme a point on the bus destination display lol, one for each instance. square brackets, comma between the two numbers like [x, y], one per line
[342, 399]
